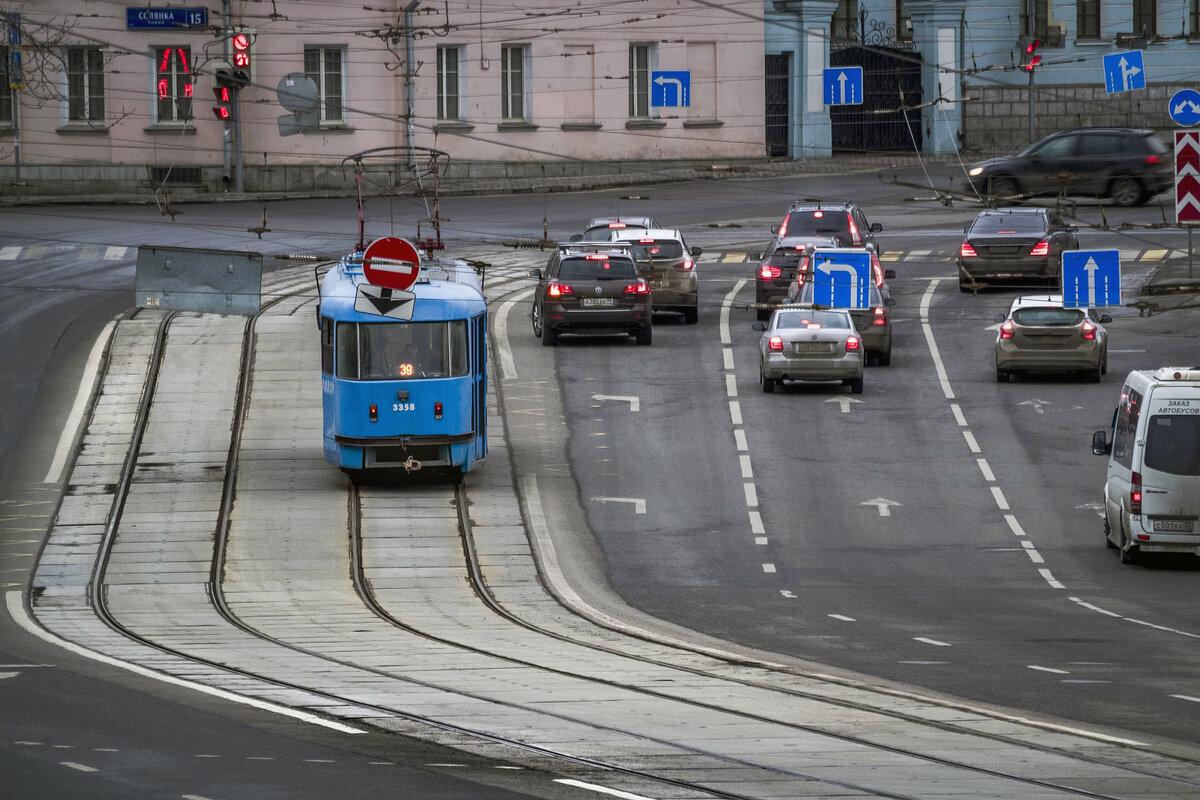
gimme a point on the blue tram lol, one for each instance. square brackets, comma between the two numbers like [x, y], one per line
[403, 374]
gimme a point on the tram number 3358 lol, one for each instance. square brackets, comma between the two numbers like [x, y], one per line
[404, 406]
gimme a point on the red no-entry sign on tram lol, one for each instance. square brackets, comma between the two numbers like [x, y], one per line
[392, 263]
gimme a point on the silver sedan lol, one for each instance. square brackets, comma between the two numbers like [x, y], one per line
[802, 343]
[1039, 335]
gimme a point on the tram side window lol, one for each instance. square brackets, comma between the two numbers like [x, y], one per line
[326, 345]
[347, 350]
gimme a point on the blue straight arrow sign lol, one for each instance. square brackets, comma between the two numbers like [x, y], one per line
[843, 86]
[1091, 278]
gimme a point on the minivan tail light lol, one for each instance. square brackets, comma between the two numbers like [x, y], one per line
[967, 251]
[1135, 493]
[1042, 248]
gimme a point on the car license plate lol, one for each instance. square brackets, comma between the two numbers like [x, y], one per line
[1003, 251]
[810, 347]
[598, 302]
[1179, 525]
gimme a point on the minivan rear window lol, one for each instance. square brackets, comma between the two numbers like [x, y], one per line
[659, 249]
[1173, 444]
[820, 223]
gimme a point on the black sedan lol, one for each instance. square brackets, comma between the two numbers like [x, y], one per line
[1022, 246]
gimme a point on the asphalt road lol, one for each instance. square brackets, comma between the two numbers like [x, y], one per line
[942, 592]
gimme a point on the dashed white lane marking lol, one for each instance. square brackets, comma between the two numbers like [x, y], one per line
[593, 787]
[988, 475]
[1049, 669]
[842, 617]
[768, 568]
[1001, 501]
[80, 767]
[735, 412]
[934, 642]
[1187, 697]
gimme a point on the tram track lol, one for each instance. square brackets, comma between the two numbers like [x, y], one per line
[602, 647]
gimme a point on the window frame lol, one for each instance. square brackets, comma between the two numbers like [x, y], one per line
[639, 79]
[1089, 15]
[514, 83]
[84, 96]
[450, 84]
[323, 76]
[1145, 19]
[6, 108]
[180, 99]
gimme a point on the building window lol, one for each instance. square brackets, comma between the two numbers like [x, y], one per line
[85, 84]
[844, 26]
[6, 109]
[904, 28]
[513, 95]
[324, 66]
[1193, 19]
[173, 84]
[447, 82]
[641, 57]
[1087, 19]
[1145, 18]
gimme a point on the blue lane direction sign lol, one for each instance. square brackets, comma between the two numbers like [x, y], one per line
[1091, 278]
[842, 279]
[843, 86]
[1124, 71]
[1184, 107]
[670, 88]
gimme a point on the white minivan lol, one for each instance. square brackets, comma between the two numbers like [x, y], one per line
[1152, 490]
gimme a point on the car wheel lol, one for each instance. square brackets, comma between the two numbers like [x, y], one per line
[768, 384]
[691, 315]
[549, 336]
[1127, 190]
[1094, 375]
[884, 359]
[644, 334]
[536, 316]
[856, 386]
[1004, 187]
[1002, 375]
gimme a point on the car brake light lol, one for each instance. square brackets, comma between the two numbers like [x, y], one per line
[851, 343]
[1135, 493]
[645, 241]
[880, 316]
[854, 237]
[967, 251]
[1151, 159]
[688, 264]
[1042, 248]
[641, 287]
[617, 225]
[775, 343]
[1089, 330]
[559, 289]
[1006, 330]
[595, 257]
[877, 269]
[783, 226]
[818, 214]
[768, 272]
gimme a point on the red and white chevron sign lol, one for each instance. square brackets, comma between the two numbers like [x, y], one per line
[1187, 177]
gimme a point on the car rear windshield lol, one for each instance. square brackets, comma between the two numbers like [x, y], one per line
[819, 223]
[604, 233]
[805, 319]
[586, 269]
[658, 248]
[1173, 444]
[1017, 223]
[1048, 316]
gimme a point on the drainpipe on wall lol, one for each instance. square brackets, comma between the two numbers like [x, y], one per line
[409, 68]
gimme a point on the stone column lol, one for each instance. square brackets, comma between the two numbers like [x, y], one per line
[937, 34]
[809, 22]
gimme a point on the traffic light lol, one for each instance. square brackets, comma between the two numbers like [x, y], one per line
[224, 107]
[1032, 59]
[241, 59]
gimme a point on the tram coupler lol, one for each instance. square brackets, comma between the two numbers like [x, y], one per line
[411, 464]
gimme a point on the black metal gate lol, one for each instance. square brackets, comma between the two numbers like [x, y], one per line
[778, 72]
[890, 115]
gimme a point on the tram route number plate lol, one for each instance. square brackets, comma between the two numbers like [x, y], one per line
[598, 302]
[1183, 525]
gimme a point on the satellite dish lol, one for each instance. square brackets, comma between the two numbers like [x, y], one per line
[298, 93]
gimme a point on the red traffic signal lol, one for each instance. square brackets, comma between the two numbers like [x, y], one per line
[1032, 60]
[224, 107]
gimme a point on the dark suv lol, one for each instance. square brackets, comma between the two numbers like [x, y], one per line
[844, 222]
[591, 289]
[1128, 165]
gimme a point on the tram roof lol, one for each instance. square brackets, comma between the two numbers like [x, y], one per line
[450, 286]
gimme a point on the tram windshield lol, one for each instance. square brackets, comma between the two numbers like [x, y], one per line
[389, 351]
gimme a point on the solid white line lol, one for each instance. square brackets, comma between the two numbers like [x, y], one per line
[601, 789]
[16, 610]
[91, 372]
[929, 340]
[508, 366]
[1189, 698]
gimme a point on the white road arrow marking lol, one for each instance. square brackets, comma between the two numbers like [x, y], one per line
[639, 504]
[634, 403]
[844, 402]
[4, 675]
[1038, 405]
[883, 505]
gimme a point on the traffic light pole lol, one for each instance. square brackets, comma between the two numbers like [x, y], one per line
[227, 145]
[1032, 126]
